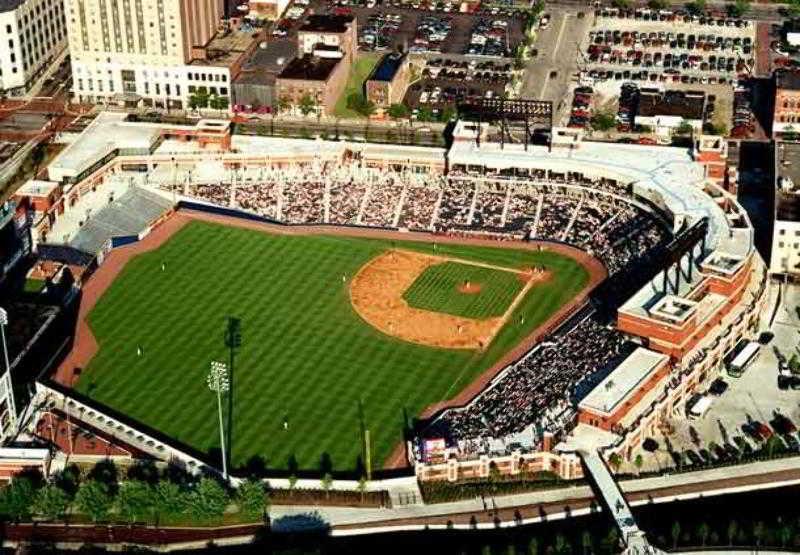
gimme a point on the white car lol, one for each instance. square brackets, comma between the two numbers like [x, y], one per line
[544, 22]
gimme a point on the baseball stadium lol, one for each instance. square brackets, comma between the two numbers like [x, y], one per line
[441, 311]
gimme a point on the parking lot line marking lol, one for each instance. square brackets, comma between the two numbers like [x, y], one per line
[560, 35]
[544, 85]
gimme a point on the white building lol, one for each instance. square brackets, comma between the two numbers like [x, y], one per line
[151, 52]
[32, 34]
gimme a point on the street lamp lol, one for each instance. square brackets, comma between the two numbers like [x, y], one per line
[7, 376]
[218, 381]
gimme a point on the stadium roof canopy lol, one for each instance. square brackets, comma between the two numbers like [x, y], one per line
[670, 172]
[623, 381]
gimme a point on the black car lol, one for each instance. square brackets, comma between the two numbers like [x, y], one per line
[718, 387]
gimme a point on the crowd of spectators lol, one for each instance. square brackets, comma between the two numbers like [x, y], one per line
[538, 389]
[593, 214]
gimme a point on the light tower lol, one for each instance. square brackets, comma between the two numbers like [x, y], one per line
[218, 381]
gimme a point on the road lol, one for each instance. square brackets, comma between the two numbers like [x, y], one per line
[548, 75]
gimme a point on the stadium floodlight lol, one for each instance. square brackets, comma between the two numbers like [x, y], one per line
[218, 381]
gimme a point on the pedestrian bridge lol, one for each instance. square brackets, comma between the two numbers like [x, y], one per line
[634, 538]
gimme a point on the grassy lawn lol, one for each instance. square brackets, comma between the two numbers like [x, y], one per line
[359, 72]
[437, 289]
[33, 285]
[306, 356]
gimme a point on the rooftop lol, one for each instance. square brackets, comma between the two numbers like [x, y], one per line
[37, 188]
[8, 5]
[623, 380]
[227, 47]
[326, 23]
[688, 105]
[787, 79]
[309, 68]
[387, 68]
[264, 64]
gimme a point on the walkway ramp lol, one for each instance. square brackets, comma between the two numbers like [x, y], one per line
[635, 540]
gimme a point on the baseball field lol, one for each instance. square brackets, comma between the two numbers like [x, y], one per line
[310, 373]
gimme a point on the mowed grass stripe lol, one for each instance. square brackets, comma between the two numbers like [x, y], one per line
[305, 352]
[437, 289]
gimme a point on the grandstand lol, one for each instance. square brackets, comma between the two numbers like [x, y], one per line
[119, 210]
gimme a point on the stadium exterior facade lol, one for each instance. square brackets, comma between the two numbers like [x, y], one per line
[683, 320]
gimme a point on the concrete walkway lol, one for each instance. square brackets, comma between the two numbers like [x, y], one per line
[553, 504]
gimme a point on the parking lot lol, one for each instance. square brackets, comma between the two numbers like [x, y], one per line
[454, 80]
[753, 409]
[606, 48]
[436, 27]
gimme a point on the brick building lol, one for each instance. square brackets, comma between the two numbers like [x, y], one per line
[389, 80]
[326, 48]
[786, 117]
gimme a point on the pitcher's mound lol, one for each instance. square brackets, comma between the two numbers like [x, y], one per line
[469, 288]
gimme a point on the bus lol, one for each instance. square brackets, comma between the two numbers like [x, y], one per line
[700, 407]
[741, 357]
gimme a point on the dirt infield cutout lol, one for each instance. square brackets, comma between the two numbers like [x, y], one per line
[376, 293]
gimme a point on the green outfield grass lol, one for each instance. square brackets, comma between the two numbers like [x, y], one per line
[437, 289]
[305, 357]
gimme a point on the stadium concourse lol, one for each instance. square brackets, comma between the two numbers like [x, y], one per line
[677, 247]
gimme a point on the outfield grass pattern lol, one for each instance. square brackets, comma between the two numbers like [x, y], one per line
[437, 289]
[306, 356]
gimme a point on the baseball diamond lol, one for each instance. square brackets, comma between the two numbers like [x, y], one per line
[308, 361]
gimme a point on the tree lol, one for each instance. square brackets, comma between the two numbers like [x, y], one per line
[615, 461]
[611, 541]
[758, 532]
[638, 461]
[702, 533]
[292, 483]
[17, 499]
[586, 542]
[733, 527]
[511, 549]
[621, 4]
[208, 500]
[603, 121]
[675, 533]
[135, 500]
[533, 547]
[252, 498]
[362, 486]
[696, 7]
[561, 544]
[284, 104]
[657, 4]
[684, 128]
[425, 114]
[327, 482]
[51, 502]
[738, 8]
[784, 534]
[398, 111]
[307, 104]
[170, 499]
[199, 99]
[449, 113]
[94, 499]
